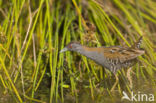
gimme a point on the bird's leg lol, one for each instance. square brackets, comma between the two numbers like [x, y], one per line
[129, 77]
[116, 82]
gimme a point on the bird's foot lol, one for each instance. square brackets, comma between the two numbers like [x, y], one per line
[115, 84]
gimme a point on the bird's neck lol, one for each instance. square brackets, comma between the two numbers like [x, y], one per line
[88, 51]
[82, 50]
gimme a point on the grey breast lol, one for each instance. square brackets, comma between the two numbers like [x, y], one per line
[98, 58]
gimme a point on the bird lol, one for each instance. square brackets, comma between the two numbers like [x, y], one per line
[112, 58]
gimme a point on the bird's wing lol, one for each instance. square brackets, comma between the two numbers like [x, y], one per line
[122, 54]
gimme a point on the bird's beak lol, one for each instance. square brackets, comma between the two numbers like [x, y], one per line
[63, 50]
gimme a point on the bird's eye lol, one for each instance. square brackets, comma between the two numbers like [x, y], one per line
[70, 46]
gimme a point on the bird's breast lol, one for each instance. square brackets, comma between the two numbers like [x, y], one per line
[98, 57]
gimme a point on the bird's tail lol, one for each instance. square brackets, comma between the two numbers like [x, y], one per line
[138, 43]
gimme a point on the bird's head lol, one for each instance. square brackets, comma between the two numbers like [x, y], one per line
[72, 46]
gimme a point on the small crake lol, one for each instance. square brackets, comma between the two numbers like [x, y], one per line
[112, 58]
